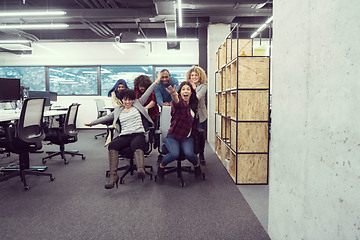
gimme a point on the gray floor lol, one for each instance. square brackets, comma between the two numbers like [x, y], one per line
[257, 196]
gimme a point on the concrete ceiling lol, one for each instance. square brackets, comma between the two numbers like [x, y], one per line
[103, 20]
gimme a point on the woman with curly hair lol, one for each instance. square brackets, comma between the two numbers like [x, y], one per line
[141, 83]
[197, 77]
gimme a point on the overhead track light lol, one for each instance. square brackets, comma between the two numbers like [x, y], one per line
[30, 13]
[34, 26]
[166, 39]
[180, 13]
[14, 41]
[260, 29]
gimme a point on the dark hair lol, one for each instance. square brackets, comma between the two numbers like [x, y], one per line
[127, 94]
[142, 81]
[165, 70]
[115, 87]
[193, 102]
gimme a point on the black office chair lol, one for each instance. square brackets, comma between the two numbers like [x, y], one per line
[160, 135]
[25, 137]
[65, 134]
[100, 106]
[129, 154]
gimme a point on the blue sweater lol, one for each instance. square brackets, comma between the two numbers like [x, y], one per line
[160, 91]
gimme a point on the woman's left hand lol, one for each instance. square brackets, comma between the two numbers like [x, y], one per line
[171, 90]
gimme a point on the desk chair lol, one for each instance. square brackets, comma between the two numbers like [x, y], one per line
[66, 133]
[129, 154]
[25, 137]
[160, 135]
[100, 106]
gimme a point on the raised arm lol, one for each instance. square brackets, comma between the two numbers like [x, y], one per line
[173, 93]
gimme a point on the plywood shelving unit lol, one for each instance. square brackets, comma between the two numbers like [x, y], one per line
[242, 111]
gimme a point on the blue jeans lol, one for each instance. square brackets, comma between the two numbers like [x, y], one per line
[173, 146]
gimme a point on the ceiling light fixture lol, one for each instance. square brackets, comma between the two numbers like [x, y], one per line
[30, 13]
[260, 29]
[166, 39]
[14, 41]
[180, 14]
[34, 26]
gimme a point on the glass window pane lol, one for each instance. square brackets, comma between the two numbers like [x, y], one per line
[32, 77]
[110, 75]
[73, 80]
[178, 72]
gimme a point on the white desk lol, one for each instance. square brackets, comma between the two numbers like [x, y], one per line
[10, 115]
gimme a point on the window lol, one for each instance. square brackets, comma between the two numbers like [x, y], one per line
[32, 77]
[110, 75]
[178, 72]
[73, 80]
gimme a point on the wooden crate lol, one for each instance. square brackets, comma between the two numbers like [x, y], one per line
[217, 102]
[251, 137]
[220, 80]
[218, 124]
[222, 51]
[245, 46]
[252, 168]
[217, 60]
[218, 146]
[222, 100]
[227, 78]
[233, 106]
[253, 72]
[232, 169]
[253, 105]
[228, 104]
[225, 152]
[233, 78]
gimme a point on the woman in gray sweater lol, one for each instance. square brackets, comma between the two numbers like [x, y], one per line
[130, 121]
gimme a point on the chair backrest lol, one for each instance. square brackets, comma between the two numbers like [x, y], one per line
[100, 106]
[165, 121]
[70, 120]
[30, 125]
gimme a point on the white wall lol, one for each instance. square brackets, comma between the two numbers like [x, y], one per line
[315, 145]
[217, 34]
[99, 53]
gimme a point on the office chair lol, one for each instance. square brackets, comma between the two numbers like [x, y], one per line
[129, 154]
[66, 133]
[25, 137]
[100, 106]
[160, 135]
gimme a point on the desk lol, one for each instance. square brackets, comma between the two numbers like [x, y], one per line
[11, 115]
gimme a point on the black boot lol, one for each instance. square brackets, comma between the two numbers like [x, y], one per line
[160, 172]
[197, 170]
[202, 147]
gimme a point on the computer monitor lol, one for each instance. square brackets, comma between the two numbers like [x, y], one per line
[40, 94]
[53, 96]
[10, 89]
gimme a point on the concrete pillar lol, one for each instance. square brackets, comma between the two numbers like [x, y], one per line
[314, 189]
[216, 36]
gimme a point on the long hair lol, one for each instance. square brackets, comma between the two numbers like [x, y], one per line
[115, 87]
[193, 102]
[199, 71]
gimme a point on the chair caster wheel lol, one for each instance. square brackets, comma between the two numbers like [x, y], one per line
[107, 174]
[26, 188]
[203, 176]
[44, 161]
[66, 162]
[151, 177]
[182, 183]
[95, 137]
[122, 181]
[83, 157]
[52, 178]
[155, 178]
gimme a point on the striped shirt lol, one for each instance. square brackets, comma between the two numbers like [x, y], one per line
[131, 122]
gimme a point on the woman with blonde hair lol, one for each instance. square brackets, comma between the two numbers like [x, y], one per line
[198, 79]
